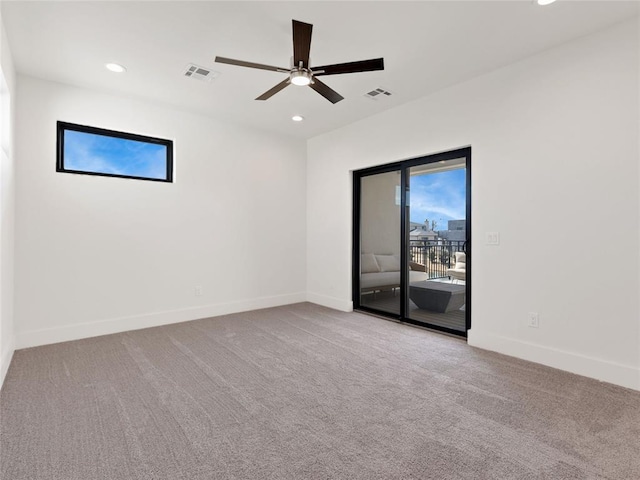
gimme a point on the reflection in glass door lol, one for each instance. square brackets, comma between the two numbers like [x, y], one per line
[380, 242]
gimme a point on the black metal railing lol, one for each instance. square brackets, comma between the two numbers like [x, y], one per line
[435, 256]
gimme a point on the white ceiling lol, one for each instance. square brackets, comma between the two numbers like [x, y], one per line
[426, 45]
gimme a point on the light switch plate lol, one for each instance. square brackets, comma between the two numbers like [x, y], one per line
[493, 238]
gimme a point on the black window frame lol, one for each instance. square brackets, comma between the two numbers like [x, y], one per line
[404, 166]
[62, 127]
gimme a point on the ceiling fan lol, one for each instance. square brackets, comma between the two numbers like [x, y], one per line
[301, 73]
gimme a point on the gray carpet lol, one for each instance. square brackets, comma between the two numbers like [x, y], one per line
[304, 392]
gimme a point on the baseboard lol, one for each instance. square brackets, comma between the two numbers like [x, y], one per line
[67, 333]
[624, 375]
[5, 361]
[330, 302]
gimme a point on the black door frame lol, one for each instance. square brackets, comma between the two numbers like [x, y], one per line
[404, 166]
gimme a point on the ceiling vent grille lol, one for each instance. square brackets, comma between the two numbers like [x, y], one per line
[200, 73]
[378, 93]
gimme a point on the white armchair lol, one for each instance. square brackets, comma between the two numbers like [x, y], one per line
[459, 270]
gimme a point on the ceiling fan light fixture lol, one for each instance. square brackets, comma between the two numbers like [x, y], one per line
[297, 118]
[300, 78]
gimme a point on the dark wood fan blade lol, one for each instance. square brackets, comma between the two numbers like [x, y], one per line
[241, 63]
[326, 91]
[301, 43]
[351, 67]
[270, 93]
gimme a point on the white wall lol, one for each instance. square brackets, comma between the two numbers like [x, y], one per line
[97, 255]
[7, 94]
[555, 153]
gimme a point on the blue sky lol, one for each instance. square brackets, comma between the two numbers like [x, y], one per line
[89, 152]
[438, 196]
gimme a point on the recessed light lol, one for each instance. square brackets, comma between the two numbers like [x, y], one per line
[545, 2]
[114, 67]
[297, 118]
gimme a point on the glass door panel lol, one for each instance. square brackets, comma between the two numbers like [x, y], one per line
[380, 242]
[436, 244]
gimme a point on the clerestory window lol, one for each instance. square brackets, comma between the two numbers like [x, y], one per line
[97, 151]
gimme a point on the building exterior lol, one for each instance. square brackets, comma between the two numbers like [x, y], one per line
[456, 231]
[421, 231]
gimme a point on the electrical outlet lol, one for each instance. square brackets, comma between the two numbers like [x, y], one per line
[533, 320]
[198, 290]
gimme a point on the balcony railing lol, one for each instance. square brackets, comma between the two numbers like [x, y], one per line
[435, 256]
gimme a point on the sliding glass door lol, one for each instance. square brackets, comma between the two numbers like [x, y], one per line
[412, 241]
[436, 242]
[380, 241]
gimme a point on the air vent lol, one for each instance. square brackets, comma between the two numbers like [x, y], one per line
[378, 93]
[200, 73]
